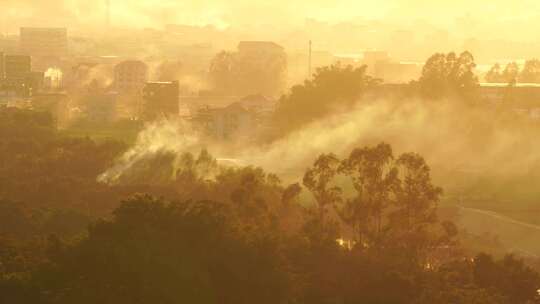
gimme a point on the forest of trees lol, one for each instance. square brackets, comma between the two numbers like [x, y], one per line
[530, 73]
[369, 233]
[449, 76]
[364, 228]
[331, 88]
[339, 88]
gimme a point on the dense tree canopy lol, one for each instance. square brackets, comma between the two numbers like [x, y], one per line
[34, 158]
[494, 75]
[508, 75]
[331, 89]
[449, 75]
[241, 237]
[366, 230]
[170, 253]
[530, 72]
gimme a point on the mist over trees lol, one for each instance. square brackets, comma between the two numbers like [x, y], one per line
[508, 75]
[241, 238]
[33, 163]
[529, 73]
[449, 76]
[365, 227]
[330, 89]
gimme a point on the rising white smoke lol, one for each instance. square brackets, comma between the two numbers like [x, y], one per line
[164, 136]
[449, 136]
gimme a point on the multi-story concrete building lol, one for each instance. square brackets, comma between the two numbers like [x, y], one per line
[17, 66]
[161, 99]
[397, 72]
[101, 106]
[233, 122]
[260, 48]
[18, 76]
[263, 68]
[54, 103]
[44, 41]
[2, 67]
[130, 76]
[9, 44]
[373, 59]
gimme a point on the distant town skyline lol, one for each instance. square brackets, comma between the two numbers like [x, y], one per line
[506, 18]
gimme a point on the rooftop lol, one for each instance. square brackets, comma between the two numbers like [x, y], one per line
[258, 44]
[504, 85]
[132, 62]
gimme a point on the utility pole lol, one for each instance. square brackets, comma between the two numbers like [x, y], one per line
[108, 5]
[310, 73]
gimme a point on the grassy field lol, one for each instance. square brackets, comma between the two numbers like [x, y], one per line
[124, 131]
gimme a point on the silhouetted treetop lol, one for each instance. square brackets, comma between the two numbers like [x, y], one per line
[449, 75]
[331, 88]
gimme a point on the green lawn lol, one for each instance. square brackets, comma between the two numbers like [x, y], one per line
[125, 131]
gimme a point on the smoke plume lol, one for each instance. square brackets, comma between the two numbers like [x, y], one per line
[452, 137]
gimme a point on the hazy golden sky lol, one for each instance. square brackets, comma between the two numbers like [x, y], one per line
[521, 14]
